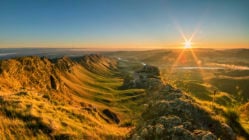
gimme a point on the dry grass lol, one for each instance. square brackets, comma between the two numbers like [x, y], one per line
[73, 111]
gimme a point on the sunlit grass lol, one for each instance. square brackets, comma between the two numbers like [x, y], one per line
[231, 85]
[32, 114]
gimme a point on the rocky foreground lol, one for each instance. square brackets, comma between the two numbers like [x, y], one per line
[171, 114]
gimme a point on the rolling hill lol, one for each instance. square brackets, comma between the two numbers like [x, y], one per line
[99, 97]
[64, 99]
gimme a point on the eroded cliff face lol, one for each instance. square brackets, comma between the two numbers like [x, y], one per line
[98, 63]
[42, 74]
[31, 73]
[50, 98]
[172, 114]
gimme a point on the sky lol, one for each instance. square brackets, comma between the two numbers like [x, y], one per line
[124, 23]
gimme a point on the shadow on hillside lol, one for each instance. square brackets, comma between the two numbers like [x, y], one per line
[233, 118]
[33, 123]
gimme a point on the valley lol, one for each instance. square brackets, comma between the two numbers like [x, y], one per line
[65, 99]
[121, 95]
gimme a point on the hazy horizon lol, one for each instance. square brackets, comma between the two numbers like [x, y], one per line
[115, 49]
[124, 24]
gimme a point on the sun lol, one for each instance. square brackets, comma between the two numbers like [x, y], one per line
[187, 44]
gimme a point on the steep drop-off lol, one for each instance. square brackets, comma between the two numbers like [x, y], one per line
[64, 98]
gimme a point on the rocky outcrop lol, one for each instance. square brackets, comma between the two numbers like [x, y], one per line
[97, 63]
[148, 77]
[26, 73]
[175, 115]
[53, 83]
[172, 114]
[43, 74]
[64, 64]
[149, 71]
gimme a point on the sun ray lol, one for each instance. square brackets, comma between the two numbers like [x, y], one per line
[197, 29]
[188, 45]
[176, 62]
[179, 29]
[198, 63]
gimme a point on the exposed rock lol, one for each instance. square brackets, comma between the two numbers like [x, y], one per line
[172, 114]
[159, 128]
[43, 74]
[64, 64]
[53, 83]
[180, 133]
[136, 137]
[26, 72]
[97, 63]
[144, 132]
[111, 115]
[209, 136]
[149, 71]
[88, 107]
[167, 88]
[148, 77]
[204, 135]
[169, 121]
[229, 131]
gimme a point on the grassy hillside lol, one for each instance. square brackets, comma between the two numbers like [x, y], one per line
[88, 98]
[65, 99]
[223, 71]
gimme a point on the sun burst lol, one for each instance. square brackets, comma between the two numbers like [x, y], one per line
[187, 44]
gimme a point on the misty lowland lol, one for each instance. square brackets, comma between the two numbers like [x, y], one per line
[168, 94]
